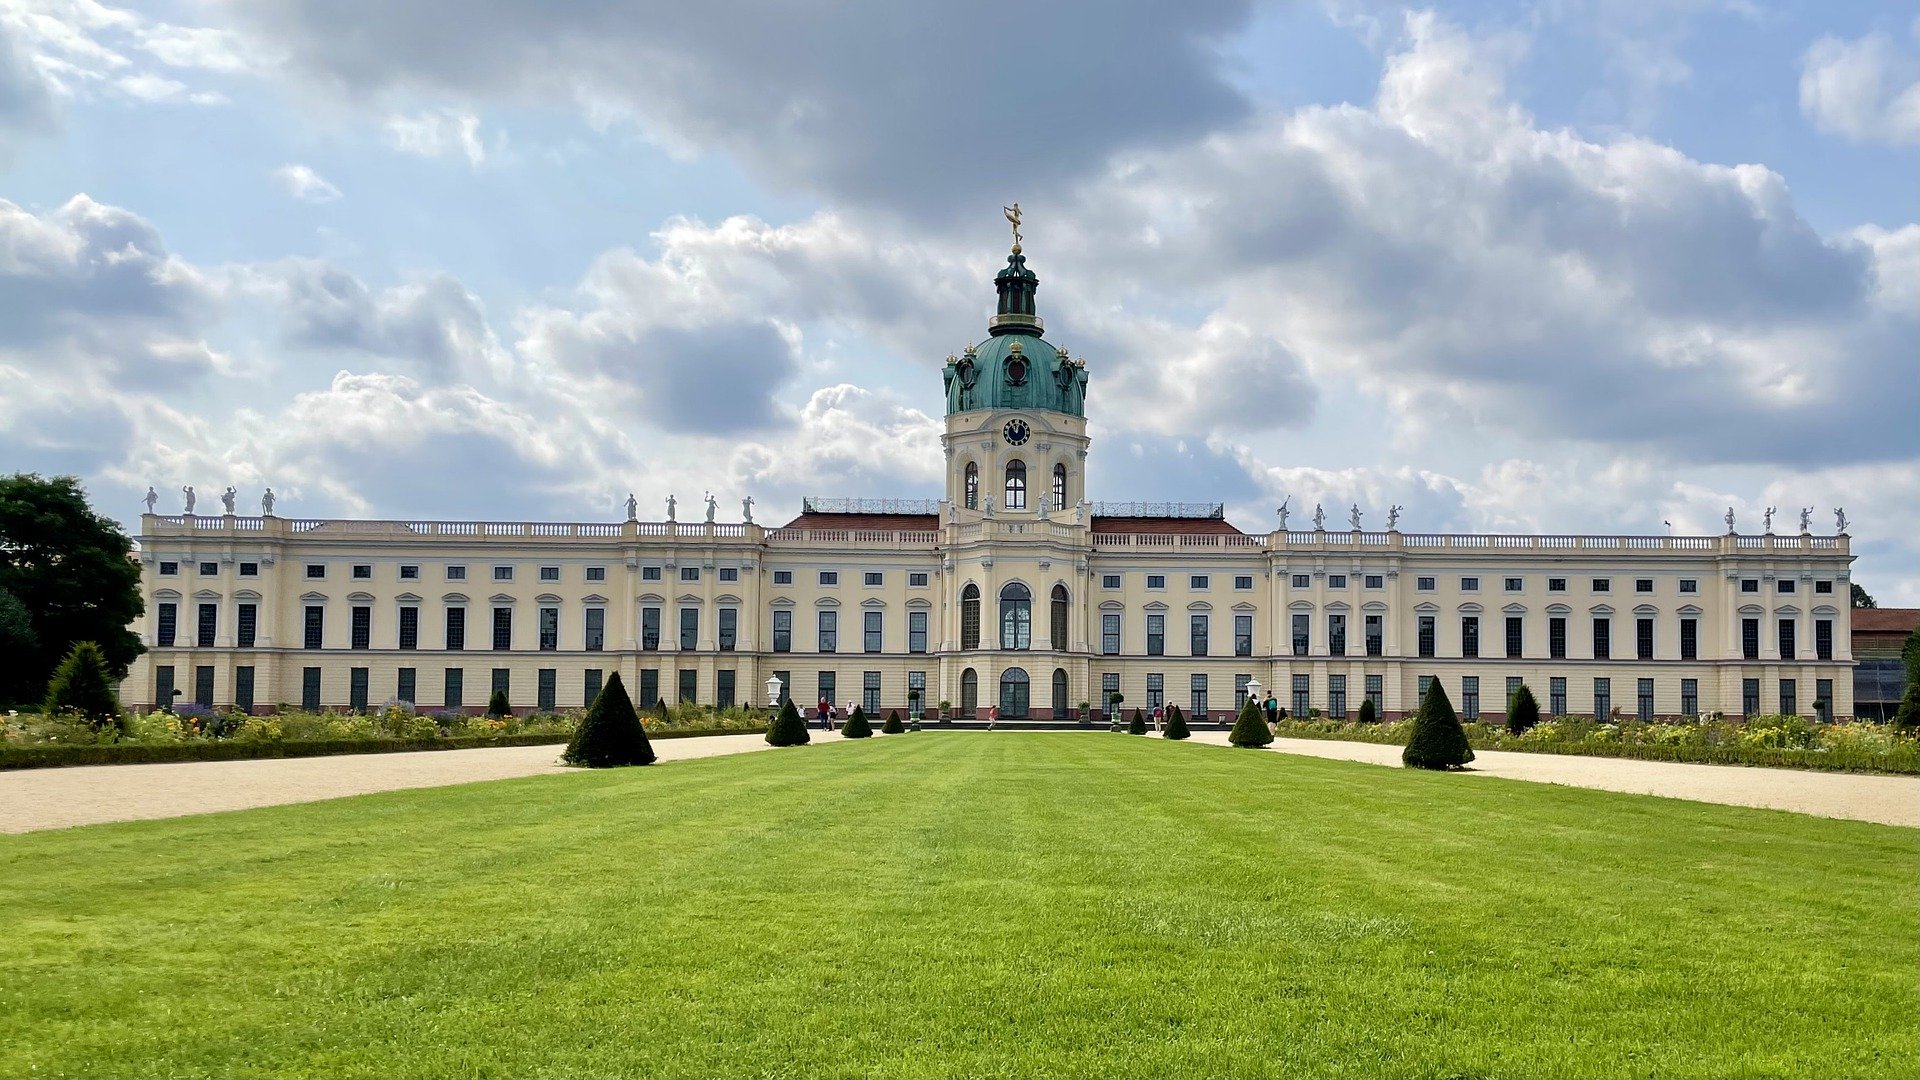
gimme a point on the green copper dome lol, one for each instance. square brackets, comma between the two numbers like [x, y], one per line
[1015, 368]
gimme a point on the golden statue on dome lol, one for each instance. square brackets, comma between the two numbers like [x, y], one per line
[1013, 218]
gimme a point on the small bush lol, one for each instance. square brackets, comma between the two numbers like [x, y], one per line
[1139, 724]
[1523, 712]
[610, 734]
[80, 685]
[1367, 713]
[1250, 728]
[1176, 725]
[1437, 740]
[857, 726]
[893, 726]
[497, 704]
[788, 729]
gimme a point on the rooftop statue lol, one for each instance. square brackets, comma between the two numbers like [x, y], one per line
[713, 505]
[1283, 512]
[633, 507]
[1393, 516]
[670, 505]
[188, 492]
[1353, 517]
[266, 503]
[746, 509]
[1839, 520]
[1013, 218]
[1729, 519]
[227, 497]
[1319, 518]
[1766, 521]
[1806, 520]
[152, 497]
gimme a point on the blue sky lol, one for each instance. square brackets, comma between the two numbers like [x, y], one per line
[1558, 266]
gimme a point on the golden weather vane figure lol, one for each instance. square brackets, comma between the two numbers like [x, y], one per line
[1013, 218]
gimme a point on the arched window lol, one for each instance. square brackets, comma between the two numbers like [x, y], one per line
[1016, 616]
[1013, 694]
[1060, 487]
[1059, 624]
[1060, 706]
[969, 694]
[973, 486]
[970, 616]
[1016, 485]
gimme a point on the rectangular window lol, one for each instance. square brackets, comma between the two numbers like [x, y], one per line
[1785, 585]
[729, 573]
[1603, 639]
[1789, 697]
[649, 628]
[1197, 696]
[1337, 634]
[1689, 697]
[786, 685]
[1556, 584]
[1156, 581]
[652, 573]
[1514, 584]
[1750, 639]
[546, 689]
[783, 577]
[689, 686]
[1302, 696]
[315, 626]
[592, 680]
[1156, 691]
[1109, 686]
[362, 572]
[1515, 633]
[455, 677]
[829, 577]
[1243, 582]
[1644, 700]
[549, 573]
[1337, 696]
[1196, 582]
[828, 684]
[503, 628]
[1302, 628]
[1823, 700]
[1243, 635]
[1643, 585]
[729, 628]
[1557, 638]
[1689, 585]
[870, 692]
[1110, 634]
[1426, 684]
[596, 573]
[316, 570]
[1156, 635]
[1302, 581]
[310, 689]
[595, 634]
[1469, 584]
[404, 686]
[1376, 634]
[1643, 639]
[689, 628]
[357, 689]
[252, 569]
[1197, 635]
[362, 627]
[1377, 693]
[1376, 581]
[917, 691]
[1423, 584]
[916, 631]
[209, 569]
[1602, 699]
[503, 573]
[1427, 645]
[1750, 585]
[249, 625]
[829, 627]
[1557, 696]
[1110, 581]
[243, 688]
[782, 630]
[1786, 634]
[1820, 588]
[1514, 682]
[169, 568]
[502, 681]
[549, 629]
[870, 626]
[456, 573]
[689, 573]
[1823, 639]
[1470, 697]
[1336, 581]
[1470, 636]
[203, 685]
[1240, 683]
[209, 621]
[871, 578]
[723, 688]
[410, 628]
[1601, 584]
[649, 687]
[916, 581]
[1689, 639]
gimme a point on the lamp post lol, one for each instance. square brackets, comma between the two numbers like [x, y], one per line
[1253, 695]
[773, 698]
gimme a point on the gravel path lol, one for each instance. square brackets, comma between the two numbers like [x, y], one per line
[33, 799]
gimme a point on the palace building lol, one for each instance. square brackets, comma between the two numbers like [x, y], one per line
[1013, 590]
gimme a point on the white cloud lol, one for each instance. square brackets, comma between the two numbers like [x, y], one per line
[301, 182]
[1867, 89]
[437, 133]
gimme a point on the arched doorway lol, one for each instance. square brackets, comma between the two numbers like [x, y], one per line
[1060, 706]
[969, 694]
[1013, 694]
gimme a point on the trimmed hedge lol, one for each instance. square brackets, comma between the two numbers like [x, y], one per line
[1250, 728]
[47, 757]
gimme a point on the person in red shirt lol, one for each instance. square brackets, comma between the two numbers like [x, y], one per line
[993, 717]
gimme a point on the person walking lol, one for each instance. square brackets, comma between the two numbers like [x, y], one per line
[993, 717]
[825, 713]
[1157, 717]
[1272, 708]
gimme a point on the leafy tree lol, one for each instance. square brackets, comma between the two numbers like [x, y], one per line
[1250, 729]
[1861, 598]
[497, 704]
[1367, 713]
[1437, 741]
[1139, 724]
[80, 685]
[16, 626]
[72, 571]
[893, 726]
[1176, 726]
[857, 725]
[1908, 714]
[788, 729]
[610, 733]
[1523, 712]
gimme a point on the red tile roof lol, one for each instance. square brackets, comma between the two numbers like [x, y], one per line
[920, 522]
[1167, 526]
[1886, 620]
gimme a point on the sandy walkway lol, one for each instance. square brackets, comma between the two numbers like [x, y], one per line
[1890, 800]
[87, 795]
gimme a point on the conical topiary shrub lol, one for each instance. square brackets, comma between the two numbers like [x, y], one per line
[1251, 728]
[80, 685]
[1139, 724]
[857, 726]
[1522, 712]
[1176, 727]
[1367, 715]
[893, 726]
[1437, 742]
[788, 729]
[610, 733]
[497, 704]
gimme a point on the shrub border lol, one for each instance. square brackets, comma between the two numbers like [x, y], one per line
[53, 756]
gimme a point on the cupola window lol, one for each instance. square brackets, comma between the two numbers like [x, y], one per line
[1016, 616]
[1016, 485]
[973, 486]
[1060, 487]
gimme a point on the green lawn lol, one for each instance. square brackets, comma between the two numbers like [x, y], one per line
[968, 904]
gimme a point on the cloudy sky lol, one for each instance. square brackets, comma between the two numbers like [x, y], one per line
[1549, 265]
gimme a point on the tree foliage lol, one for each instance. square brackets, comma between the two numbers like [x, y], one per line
[610, 733]
[1139, 724]
[857, 725]
[1523, 712]
[72, 574]
[1861, 598]
[1437, 740]
[1367, 712]
[1250, 727]
[80, 685]
[497, 704]
[1908, 713]
[893, 726]
[1176, 725]
[788, 728]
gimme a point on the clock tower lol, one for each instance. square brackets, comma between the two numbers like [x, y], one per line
[1016, 428]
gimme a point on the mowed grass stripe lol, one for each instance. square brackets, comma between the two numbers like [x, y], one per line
[967, 904]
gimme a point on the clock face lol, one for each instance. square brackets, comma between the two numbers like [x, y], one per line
[1016, 432]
